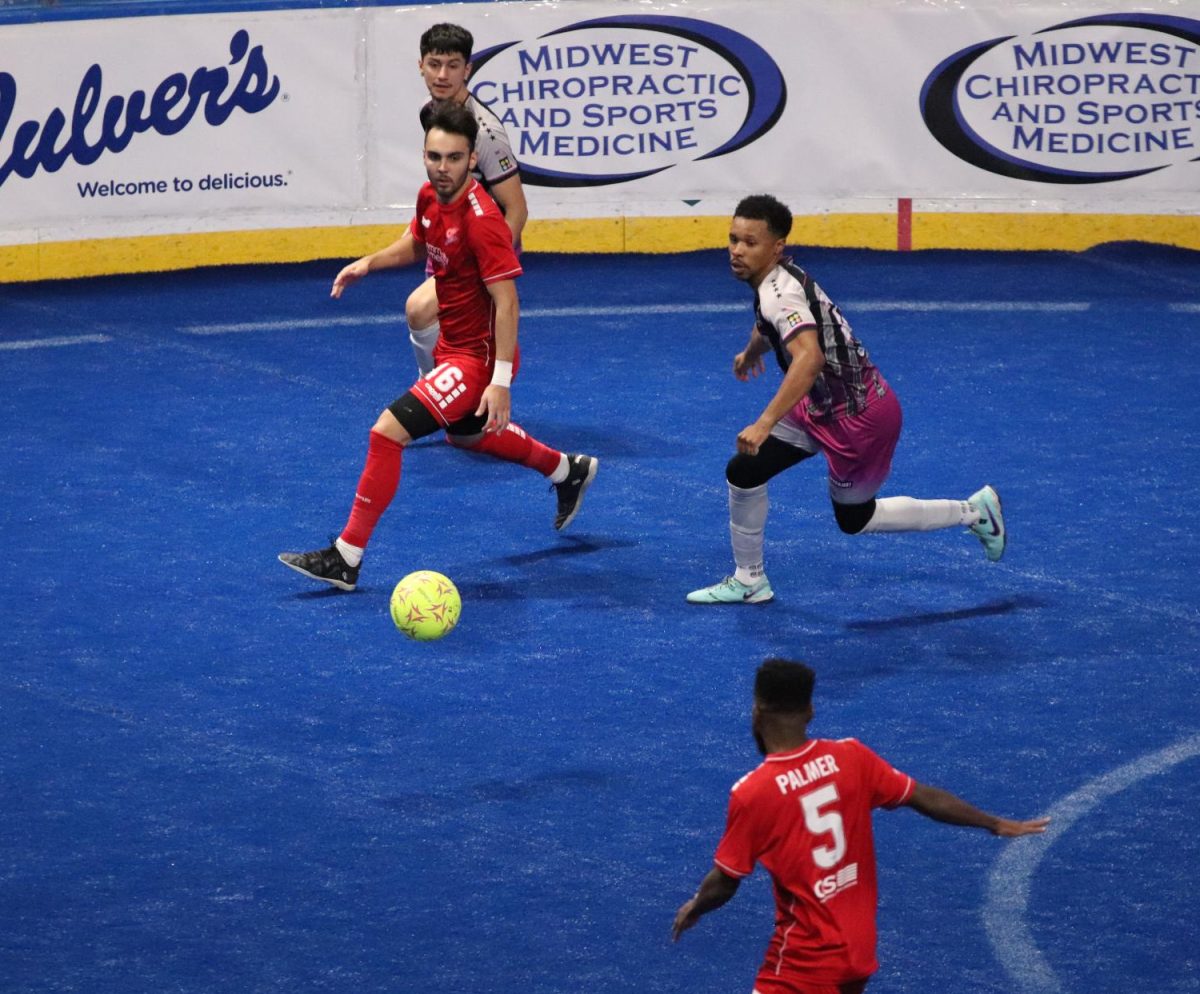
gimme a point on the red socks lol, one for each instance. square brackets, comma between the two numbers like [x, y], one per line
[513, 445]
[376, 488]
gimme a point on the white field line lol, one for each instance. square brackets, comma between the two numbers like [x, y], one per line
[49, 343]
[912, 306]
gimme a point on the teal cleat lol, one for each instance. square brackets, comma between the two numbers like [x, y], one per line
[990, 528]
[733, 591]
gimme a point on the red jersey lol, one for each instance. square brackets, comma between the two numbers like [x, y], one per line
[806, 816]
[469, 246]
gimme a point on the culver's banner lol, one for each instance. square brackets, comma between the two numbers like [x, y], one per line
[183, 119]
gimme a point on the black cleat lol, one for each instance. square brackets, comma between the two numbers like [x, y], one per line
[326, 565]
[581, 470]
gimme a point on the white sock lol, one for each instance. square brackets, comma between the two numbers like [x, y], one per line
[423, 340]
[351, 553]
[563, 471]
[747, 521]
[907, 514]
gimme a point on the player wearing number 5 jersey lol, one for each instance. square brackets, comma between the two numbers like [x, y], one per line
[467, 393]
[805, 815]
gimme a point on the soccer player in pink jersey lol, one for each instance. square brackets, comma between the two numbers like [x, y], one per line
[467, 393]
[832, 400]
[805, 815]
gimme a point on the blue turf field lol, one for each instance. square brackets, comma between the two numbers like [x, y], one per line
[218, 778]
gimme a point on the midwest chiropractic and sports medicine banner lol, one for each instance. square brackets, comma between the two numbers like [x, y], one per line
[243, 121]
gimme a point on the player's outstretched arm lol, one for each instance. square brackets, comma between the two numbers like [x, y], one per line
[716, 888]
[941, 805]
[400, 253]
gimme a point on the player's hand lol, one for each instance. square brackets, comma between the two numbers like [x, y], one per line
[685, 918]
[746, 366]
[496, 404]
[751, 437]
[349, 275]
[1008, 829]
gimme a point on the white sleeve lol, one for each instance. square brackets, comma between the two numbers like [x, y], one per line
[494, 159]
[788, 313]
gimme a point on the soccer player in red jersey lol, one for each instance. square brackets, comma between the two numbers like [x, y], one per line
[445, 68]
[805, 815]
[467, 393]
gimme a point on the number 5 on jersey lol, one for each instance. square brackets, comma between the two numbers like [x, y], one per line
[820, 819]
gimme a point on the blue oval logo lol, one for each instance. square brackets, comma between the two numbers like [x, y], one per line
[1075, 103]
[646, 92]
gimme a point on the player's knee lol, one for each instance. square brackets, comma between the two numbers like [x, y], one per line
[853, 518]
[745, 472]
[420, 310]
[464, 441]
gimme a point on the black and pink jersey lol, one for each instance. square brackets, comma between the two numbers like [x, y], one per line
[789, 301]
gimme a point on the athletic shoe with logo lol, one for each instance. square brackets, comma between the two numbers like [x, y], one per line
[732, 591]
[990, 528]
[326, 565]
[581, 470]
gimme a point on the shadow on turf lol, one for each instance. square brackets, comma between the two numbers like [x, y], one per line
[938, 617]
[575, 545]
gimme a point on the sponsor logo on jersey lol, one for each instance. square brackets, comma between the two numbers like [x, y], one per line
[99, 123]
[613, 99]
[835, 883]
[793, 319]
[1091, 100]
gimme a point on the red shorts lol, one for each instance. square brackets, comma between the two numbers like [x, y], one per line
[452, 389]
[850, 987]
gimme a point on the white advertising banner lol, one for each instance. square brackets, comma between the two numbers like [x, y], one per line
[614, 107]
[179, 123]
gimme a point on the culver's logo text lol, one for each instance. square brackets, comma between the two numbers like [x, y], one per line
[96, 124]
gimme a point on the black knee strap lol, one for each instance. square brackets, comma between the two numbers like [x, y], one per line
[853, 518]
[772, 458]
[413, 416]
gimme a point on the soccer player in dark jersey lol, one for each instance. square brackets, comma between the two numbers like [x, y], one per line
[460, 228]
[805, 815]
[832, 400]
[445, 67]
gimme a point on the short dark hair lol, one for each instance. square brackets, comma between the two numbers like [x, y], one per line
[447, 39]
[764, 207]
[784, 685]
[454, 119]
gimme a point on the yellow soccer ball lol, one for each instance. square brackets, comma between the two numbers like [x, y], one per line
[426, 605]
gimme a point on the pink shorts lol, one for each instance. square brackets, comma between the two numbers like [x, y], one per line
[858, 448]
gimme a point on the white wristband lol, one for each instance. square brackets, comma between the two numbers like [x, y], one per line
[502, 375]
